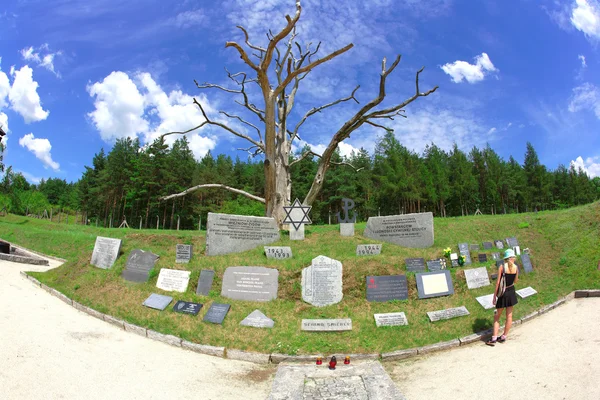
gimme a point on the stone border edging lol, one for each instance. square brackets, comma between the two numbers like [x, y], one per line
[275, 358]
[36, 252]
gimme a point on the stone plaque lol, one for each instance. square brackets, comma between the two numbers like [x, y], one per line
[106, 251]
[297, 215]
[463, 249]
[368, 249]
[158, 301]
[138, 266]
[327, 325]
[173, 280]
[415, 264]
[216, 313]
[257, 319]
[409, 230]
[278, 252]
[486, 301]
[512, 242]
[436, 265]
[346, 229]
[185, 307]
[477, 277]
[526, 261]
[447, 314]
[322, 282]
[237, 233]
[488, 245]
[496, 256]
[387, 287]
[434, 284]
[474, 247]
[499, 244]
[390, 319]
[526, 292]
[454, 259]
[250, 283]
[482, 257]
[205, 282]
[183, 253]
[517, 250]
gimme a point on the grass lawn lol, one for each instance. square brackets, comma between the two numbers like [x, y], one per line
[565, 249]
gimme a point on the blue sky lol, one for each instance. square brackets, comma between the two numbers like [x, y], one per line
[76, 75]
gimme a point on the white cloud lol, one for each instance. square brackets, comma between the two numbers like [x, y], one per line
[591, 166]
[42, 56]
[492, 130]
[31, 178]
[4, 124]
[585, 97]
[41, 148]
[24, 98]
[459, 70]
[582, 59]
[188, 19]
[585, 17]
[345, 148]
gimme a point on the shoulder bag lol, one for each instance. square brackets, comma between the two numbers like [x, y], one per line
[502, 285]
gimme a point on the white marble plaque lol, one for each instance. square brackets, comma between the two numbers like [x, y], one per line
[106, 251]
[477, 277]
[173, 280]
[327, 325]
[447, 313]
[486, 301]
[322, 282]
[257, 319]
[278, 252]
[526, 292]
[237, 233]
[368, 249]
[390, 319]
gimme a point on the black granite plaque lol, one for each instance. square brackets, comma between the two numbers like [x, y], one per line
[139, 264]
[526, 261]
[436, 265]
[454, 263]
[512, 242]
[186, 307]
[482, 257]
[183, 253]
[415, 264]
[488, 245]
[499, 244]
[205, 282]
[216, 313]
[499, 263]
[387, 287]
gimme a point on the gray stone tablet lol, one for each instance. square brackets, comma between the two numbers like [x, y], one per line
[327, 325]
[526, 261]
[386, 288]
[238, 233]
[496, 256]
[138, 266]
[512, 242]
[346, 229]
[434, 284]
[409, 230]
[463, 249]
[526, 292]
[368, 250]
[499, 244]
[173, 280]
[250, 283]
[482, 257]
[257, 319]
[216, 313]
[436, 265]
[278, 252]
[447, 313]
[106, 251]
[477, 277]
[474, 247]
[322, 282]
[186, 307]
[488, 245]
[158, 301]
[486, 301]
[415, 264]
[205, 282]
[390, 319]
[183, 253]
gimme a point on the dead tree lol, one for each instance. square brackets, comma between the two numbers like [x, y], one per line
[278, 71]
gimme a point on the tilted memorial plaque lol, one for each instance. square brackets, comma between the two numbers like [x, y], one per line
[390, 319]
[216, 313]
[415, 264]
[106, 251]
[409, 230]
[486, 301]
[526, 261]
[250, 283]
[434, 284]
[477, 277]
[183, 253]
[499, 244]
[368, 249]
[257, 319]
[173, 280]
[482, 257]
[185, 307]
[238, 233]
[474, 247]
[386, 288]
[138, 266]
[436, 265]
[512, 242]
[463, 249]
[158, 301]
[488, 245]
[526, 292]
[447, 314]
[205, 282]
[496, 256]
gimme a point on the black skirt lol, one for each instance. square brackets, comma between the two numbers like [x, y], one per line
[508, 299]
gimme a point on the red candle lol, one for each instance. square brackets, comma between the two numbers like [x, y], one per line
[319, 361]
[347, 360]
[332, 363]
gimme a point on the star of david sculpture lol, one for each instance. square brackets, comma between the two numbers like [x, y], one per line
[297, 216]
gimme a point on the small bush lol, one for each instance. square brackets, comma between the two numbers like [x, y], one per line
[523, 225]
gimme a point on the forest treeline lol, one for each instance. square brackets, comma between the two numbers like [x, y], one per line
[127, 183]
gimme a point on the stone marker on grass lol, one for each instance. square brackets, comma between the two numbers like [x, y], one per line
[512, 242]
[434, 284]
[474, 247]
[185, 307]
[368, 250]
[496, 256]
[250, 283]
[436, 265]
[454, 259]
[238, 233]
[216, 313]
[482, 257]
[526, 261]
[409, 230]
[488, 245]
[257, 319]
[347, 223]
[183, 253]
[327, 325]
[386, 288]
[477, 277]
[106, 251]
[526, 292]
[173, 280]
[499, 244]
[322, 282]
[415, 264]
[138, 266]
[486, 301]
[463, 249]
[297, 215]
[278, 252]
[447, 313]
[390, 319]
[205, 282]
[158, 301]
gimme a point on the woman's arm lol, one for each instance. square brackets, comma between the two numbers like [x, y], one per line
[497, 284]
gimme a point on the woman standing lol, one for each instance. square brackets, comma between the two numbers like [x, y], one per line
[508, 299]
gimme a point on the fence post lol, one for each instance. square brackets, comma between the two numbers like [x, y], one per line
[178, 222]
[140, 223]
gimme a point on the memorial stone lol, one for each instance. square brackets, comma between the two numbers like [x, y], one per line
[496, 256]
[368, 249]
[322, 282]
[474, 247]
[526, 261]
[454, 259]
[138, 265]
[415, 264]
[477, 277]
[434, 284]
[409, 230]
[216, 313]
[386, 288]
[463, 249]
[482, 257]
[158, 301]
[526, 292]
[278, 252]
[436, 265]
[447, 314]
[488, 245]
[512, 242]
[183, 253]
[205, 282]
[346, 230]
[106, 251]
[257, 319]
[486, 301]
[297, 215]
[250, 283]
[517, 250]
[238, 233]
[499, 244]
[327, 325]
[390, 319]
[173, 280]
[185, 307]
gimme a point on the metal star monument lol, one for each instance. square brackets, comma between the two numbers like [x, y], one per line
[297, 214]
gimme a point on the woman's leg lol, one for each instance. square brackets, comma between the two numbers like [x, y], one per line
[497, 316]
[509, 313]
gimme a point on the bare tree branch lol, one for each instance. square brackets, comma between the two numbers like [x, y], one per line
[275, 39]
[310, 152]
[253, 47]
[213, 185]
[207, 85]
[254, 153]
[379, 126]
[243, 55]
[244, 122]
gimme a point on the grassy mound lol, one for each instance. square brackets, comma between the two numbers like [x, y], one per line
[565, 248]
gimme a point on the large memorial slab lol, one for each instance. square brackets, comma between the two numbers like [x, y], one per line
[106, 251]
[387, 287]
[183, 253]
[526, 292]
[327, 325]
[227, 233]
[390, 319]
[409, 230]
[186, 307]
[138, 265]
[158, 301]
[216, 313]
[463, 249]
[368, 250]
[434, 284]
[526, 261]
[257, 319]
[278, 252]
[415, 264]
[477, 277]
[205, 282]
[447, 313]
[322, 282]
[173, 280]
[486, 301]
[436, 265]
[250, 283]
